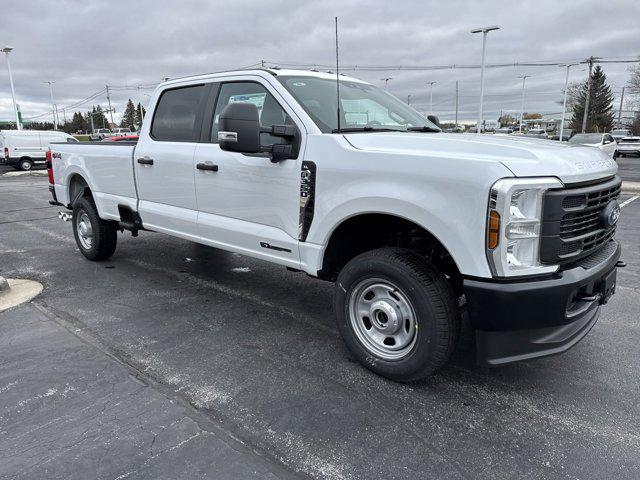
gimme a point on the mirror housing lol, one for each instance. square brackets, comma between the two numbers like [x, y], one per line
[434, 119]
[243, 120]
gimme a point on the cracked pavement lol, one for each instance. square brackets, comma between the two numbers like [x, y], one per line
[249, 348]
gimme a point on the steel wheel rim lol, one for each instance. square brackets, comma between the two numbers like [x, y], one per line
[383, 319]
[26, 165]
[85, 230]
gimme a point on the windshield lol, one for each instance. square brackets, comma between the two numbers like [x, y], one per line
[586, 138]
[362, 106]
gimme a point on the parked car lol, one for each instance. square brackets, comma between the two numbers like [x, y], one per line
[566, 135]
[603, 141]
[537, 133]
[628, 146]
[122, 138]
[619, 133]
[25, 148]
[504, 131]
[100, 134]
[412, 224]
[121, 132]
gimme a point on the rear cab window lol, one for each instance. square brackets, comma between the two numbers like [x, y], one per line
[178, 114]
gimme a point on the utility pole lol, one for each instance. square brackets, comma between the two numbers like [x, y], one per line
[620, 109]
[484, 31]
[431, 96]
[6, 51]
[456, 103]
[409, 99]
[109, 100]
[524, 78]
[140, 103]
[53, 104]
[564, 102]
[588, 99]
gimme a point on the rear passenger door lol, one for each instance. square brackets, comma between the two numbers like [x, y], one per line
[163, 162]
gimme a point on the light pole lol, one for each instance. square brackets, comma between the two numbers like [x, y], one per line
[53, 105]
[484, 31]
[431, 96]
[524, 78]
[409, 99]
[564, 101]
[386, 81]
[6, 51]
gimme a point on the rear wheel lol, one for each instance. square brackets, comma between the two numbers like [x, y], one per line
[396, 313]
[96, 238]
[25, 164]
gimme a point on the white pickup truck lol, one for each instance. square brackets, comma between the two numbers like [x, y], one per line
[417, 228]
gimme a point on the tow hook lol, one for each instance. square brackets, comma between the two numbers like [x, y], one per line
[621, 264]
[64, 216]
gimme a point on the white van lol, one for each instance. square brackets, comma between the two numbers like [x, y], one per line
[24, 148]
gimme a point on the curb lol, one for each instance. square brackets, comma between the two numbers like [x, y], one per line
[631, 187]
[29, 173]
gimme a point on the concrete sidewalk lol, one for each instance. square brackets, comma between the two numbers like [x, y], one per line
[70, 410]
[631, 187]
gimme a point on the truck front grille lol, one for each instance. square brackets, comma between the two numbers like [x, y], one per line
[572, 225]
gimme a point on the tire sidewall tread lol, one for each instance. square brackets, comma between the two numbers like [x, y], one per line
[431, 296]
[105, 232]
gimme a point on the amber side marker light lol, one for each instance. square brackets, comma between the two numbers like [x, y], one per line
[493, 233]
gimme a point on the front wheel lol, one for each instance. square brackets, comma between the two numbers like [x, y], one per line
[397, 313]
[96, 238]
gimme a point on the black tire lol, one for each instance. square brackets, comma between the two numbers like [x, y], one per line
[105, 232]
[430, 296]
[25, 164]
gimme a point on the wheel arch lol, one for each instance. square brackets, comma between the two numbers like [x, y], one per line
[362, 232]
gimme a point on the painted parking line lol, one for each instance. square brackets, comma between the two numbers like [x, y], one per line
[629, 200]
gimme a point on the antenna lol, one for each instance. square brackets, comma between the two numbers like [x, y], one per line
[337, 75]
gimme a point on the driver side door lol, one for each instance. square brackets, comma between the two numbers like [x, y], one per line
[246, 203]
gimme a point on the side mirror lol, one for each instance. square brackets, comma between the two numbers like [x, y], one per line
[433, 119]
[239, 128]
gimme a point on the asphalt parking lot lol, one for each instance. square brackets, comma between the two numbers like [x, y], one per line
[174, 360]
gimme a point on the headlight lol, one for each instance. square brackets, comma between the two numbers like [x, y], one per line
[513, 226]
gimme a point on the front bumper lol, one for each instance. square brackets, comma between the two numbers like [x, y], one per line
[523, 320]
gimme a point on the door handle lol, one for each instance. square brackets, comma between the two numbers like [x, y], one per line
[145, 161]
[207, 166]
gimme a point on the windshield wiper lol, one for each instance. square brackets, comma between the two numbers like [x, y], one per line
[363, 129]
[424, 128]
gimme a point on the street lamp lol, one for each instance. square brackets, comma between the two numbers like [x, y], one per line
[431, 96]
[53, 105]
[564, 102]
[6, 51]
[524, 78]
[484, 31]
[386, 81]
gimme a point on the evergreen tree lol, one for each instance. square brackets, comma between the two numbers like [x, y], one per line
[129, 117]
[140, 113]
[99, 118]
[78, 123]
[600, 114]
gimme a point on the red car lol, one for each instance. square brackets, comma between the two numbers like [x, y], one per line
[125, 138]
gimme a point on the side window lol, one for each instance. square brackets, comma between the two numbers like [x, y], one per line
[271, 113]
[175, 117]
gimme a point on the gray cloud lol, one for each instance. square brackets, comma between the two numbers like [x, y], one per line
[85, 45]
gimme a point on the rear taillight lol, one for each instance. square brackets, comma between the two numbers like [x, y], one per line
[49, 166]
[6, 153]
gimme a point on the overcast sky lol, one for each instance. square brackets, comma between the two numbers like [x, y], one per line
[85, 45]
